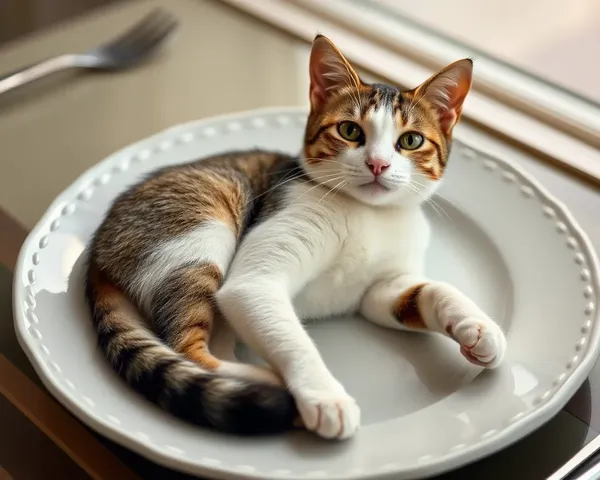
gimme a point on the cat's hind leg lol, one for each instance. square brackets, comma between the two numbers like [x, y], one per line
[176, 284]
[223, 342]
[415, 303]
[188, 271]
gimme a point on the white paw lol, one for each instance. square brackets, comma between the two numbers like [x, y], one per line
[328, 413]
[481, 341]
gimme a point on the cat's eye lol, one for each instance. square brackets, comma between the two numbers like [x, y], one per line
[410, 141]
[350, 131]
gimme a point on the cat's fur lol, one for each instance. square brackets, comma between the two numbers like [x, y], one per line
[270, 239]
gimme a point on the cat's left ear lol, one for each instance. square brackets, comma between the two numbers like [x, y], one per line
[329, 71]
[447, 91]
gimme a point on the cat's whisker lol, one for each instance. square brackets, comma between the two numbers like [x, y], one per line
[331, 190]
[295, 169]
[436, 207]
[324, 176]
[339, 189]
[439, 207]
[330, 160]
[283, 182]
[321, 184]
[413, 188]
[277, 185]
[444, 198]
[434, 204]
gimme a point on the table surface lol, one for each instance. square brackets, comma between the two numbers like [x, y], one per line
[220, 61]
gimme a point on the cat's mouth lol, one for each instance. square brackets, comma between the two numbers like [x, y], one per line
[374, 186]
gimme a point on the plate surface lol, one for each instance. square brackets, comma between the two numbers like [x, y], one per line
[497, 235]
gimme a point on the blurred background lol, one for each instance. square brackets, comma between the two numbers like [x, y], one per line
[19, 17]
[552, 39]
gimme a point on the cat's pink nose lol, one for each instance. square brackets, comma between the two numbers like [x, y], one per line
[377, 165]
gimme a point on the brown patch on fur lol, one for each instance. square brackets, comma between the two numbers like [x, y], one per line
[443, 158]
[348, 103]
[406, 308]
[195, 337]
[209, 273]
[184, 311]
[399, 109]
[426, 160]
[423, 154]
[321, 129]
[107, 295]
[421, 117]
[175, 200]
[371, 102]
[254, 165]
[335, 144]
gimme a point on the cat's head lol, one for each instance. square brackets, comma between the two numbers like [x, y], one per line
[376, 143]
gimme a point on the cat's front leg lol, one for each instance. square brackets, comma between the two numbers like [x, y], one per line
[261, 312]
[415, 303]
[273, 263]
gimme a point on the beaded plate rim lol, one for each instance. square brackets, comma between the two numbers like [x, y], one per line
[545, 406]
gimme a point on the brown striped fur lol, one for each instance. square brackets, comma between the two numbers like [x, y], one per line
[186, 304]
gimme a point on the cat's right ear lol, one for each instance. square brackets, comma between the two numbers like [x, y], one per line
[329, 71]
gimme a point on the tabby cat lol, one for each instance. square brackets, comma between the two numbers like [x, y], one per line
[243, 245]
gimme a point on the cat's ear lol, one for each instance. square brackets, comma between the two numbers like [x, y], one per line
[329, 71]
[447, 90]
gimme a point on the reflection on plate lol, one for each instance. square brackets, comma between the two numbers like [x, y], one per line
[497, 236]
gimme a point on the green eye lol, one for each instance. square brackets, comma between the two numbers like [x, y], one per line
[410, 141]
[350, 131]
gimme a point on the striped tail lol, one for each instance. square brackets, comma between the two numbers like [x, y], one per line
[178, 385]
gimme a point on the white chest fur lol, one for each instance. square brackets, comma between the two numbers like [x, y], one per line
[376, 243]
[325, 254]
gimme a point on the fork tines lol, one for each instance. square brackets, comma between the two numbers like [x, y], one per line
[150, 30]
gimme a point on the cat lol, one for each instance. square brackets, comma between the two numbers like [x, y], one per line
[242, 245]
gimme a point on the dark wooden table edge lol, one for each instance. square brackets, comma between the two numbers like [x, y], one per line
[39, 407]
[12, 236]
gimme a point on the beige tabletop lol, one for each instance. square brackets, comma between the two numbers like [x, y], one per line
[220, 61]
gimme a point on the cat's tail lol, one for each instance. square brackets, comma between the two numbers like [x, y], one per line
[180, 386]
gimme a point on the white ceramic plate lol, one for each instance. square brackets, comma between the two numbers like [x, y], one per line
[498, 236]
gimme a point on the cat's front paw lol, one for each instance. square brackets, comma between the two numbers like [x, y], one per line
[481, 340]
[329, 413]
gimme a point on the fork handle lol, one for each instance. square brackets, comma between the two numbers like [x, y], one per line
[36, 71]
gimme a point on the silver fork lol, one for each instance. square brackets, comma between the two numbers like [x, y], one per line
[125, 51]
